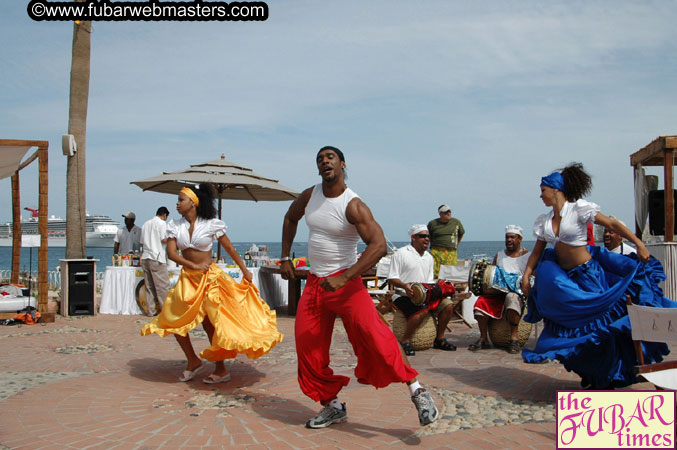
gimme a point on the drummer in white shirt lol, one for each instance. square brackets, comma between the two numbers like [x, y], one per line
[414, 264]
[513, 260]
[614, 241]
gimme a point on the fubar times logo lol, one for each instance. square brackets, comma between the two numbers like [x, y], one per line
[615, 419]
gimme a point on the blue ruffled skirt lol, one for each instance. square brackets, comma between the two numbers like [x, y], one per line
[585, 315]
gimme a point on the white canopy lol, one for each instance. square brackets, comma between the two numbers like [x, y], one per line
[10, 159]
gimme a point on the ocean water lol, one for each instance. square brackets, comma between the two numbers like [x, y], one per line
[470, 249]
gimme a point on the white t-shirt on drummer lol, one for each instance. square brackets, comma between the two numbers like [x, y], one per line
[410, 267]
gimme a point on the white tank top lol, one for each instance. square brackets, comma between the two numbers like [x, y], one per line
[332, 243]
[513, 265]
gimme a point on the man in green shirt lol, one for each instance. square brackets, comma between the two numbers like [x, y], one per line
[445, 235]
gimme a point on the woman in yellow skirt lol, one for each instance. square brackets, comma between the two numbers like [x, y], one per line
[235, 318]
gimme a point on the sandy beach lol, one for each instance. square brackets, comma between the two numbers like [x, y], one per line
[93, 383]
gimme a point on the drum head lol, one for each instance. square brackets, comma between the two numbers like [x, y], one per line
[419, 293]
[488, 277]
[488, 287]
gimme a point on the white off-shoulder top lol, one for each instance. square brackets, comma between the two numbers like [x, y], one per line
[573, 227]
[205, 232]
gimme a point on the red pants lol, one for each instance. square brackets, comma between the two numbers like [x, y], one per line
[379, 361]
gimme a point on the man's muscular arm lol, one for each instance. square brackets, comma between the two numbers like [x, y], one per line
[289, 226]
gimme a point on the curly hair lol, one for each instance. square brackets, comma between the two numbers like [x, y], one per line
[577, 182]
[205, 193]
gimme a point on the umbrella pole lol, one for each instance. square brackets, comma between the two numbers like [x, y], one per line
[218, 246]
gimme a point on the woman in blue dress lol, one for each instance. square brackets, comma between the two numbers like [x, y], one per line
[580, 291]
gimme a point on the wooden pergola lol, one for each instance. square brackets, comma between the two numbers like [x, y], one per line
[41, 155]
[661, 152]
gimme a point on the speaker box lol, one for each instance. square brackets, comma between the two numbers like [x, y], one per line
[81, 290]
[78, 287]
[657, 211]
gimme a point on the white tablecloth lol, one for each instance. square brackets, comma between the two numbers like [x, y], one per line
[120, 285]
[119, 291]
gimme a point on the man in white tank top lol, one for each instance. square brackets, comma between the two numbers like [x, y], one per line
[514, 260]
[337, 219]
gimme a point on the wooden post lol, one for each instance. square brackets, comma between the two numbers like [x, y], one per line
[43, 262]
[669, 196]
[16, 228]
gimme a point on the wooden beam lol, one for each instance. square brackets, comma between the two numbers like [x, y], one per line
[22, 143]
[643, 155]
[16, 228]
[669, 197]
[28, 160]
[671, 142]
[652, 154]
[43, 261]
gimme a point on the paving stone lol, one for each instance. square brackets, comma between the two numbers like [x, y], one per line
[94, 382]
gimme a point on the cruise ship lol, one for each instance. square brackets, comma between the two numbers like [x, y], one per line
[100, 230]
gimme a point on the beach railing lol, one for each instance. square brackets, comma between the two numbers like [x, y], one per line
[53, 279]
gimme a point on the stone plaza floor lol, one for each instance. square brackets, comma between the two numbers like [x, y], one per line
[94, 383]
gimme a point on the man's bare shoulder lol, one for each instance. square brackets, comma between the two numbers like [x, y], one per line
[304, 197]
[358, 211]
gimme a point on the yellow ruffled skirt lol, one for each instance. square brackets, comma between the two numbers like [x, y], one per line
[243, 322]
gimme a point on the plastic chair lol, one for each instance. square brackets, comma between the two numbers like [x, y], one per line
[458, 275]
[654, 325]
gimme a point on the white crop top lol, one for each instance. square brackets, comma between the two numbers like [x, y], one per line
[205, 232]
[573, 227]
[332, 241]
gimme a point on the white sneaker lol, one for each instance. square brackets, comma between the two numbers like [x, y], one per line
[427, 411]
[327, 416]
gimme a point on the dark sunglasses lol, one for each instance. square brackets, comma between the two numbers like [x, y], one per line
[423, 236]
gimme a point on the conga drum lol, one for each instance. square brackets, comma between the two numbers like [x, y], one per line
[481, 278]
[420, 293]
[487, 279]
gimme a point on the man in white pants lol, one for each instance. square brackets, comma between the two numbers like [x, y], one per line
[154, 260]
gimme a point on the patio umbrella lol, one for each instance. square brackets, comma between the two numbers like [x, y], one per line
[232, 182]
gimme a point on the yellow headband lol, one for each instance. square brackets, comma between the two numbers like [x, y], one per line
[191, 195]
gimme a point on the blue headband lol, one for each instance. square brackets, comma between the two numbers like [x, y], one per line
[555, 180]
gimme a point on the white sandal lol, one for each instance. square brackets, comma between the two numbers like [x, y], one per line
[213, 379]
[188, 375]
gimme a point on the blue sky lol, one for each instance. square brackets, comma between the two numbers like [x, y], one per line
[458, 102]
